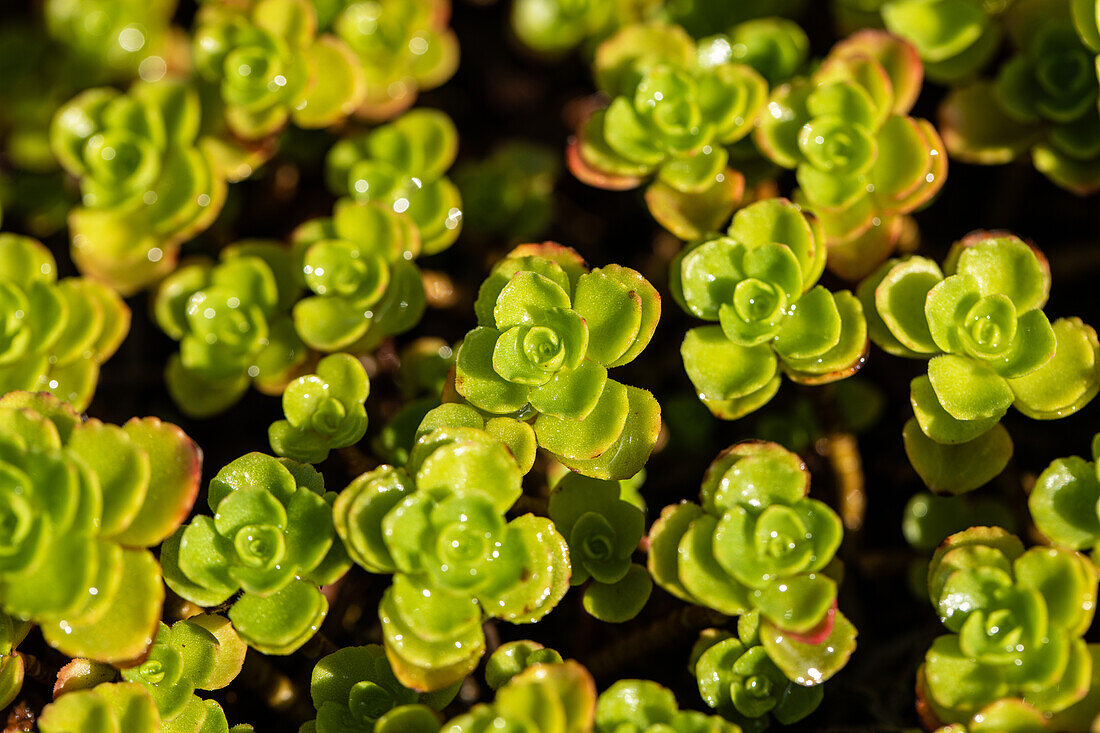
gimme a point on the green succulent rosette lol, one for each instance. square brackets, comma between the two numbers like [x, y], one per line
[641, 706]
[776, 47]
[357, 268]
[122, 38]
[438, 526]
[675, 107]
[232, 319]
[548, 331]
[401, 48]
[269, 545]
[203, 652]
[146, 184]
[603, 531]
[955, 38]
[324, 411]
[979, 322]
[758, 283]
[550, 697]
[757, 543]
[1064, 502]
[737, 678]
[12, 667]
[112, 707]
[1042, 102]
[80, 503]
[1016, 620]
[403, 164]
[54, 334]
[862, 163]
[555, 27]
[513, 657]
[270, 67]
[510, 193]
[354, 689]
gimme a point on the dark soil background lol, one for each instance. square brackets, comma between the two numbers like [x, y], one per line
[500, 92]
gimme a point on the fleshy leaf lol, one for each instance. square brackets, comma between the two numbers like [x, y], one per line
[958, 468]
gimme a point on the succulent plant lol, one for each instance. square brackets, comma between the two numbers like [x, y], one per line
[362, 284]
[402, 47]
[108, 708]
[270, 67]
[674, 108]
[603, 532]
[271, 537]
[323, 411]
[737, 678]
[979, 321]
[778, 49]
[81, 502]
[955, 38]
[548, 331]
[641, 706]
[555, 27]
[123, 38]
[1042, 101]
[402, 165]
[232, 320]
[354, 689]
[550, 697]
[757, 543]
[56, 333]
[147, 185]
[763, 165]
[438, 525]
[513, 657]
[861, 161]
[199, 653]
[759, 284]
[1016, 619]
[510, 192]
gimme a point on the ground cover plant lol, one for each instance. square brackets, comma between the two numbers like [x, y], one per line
[549, 366]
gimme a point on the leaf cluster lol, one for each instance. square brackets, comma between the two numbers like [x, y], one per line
[757, 544]
[81, 503]
[759, 284]
[549, 329]
[268, 547]
[438, 526]
[1016, 620]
